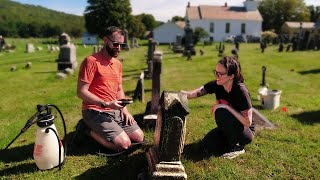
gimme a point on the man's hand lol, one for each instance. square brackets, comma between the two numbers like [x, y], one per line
[128, 118]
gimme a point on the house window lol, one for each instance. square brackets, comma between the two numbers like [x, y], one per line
[212, 27]
[227, 27]
[243, 28]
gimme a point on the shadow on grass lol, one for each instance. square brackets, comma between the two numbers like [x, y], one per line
[309, 118]
[211, 145]
[312, 71]
[16, 154]
[20, 169]
[134, 70]
[131, 93]
[122, 167]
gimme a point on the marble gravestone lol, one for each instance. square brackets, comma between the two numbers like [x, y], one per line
[169, 138]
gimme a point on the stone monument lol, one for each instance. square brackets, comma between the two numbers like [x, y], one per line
[177, 47]
[67, 56]
[29, 48]
[152, 107]
[188, 46]
[151, 49]
[169, 138]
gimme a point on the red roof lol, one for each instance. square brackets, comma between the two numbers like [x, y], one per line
[222, 13]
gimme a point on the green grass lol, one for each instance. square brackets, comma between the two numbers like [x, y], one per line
[292, 151]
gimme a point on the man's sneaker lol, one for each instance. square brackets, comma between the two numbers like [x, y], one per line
[234, 152]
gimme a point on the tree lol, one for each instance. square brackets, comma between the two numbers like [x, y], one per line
[314, 13]
[148, 20]
[198, 34]
[137, 28]
[100, 14]
[177, 18]
[276, 12]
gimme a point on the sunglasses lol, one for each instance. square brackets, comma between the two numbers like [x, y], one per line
[116, 44]
[218, 74]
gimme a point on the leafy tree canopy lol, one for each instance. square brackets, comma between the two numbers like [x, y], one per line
[148, 20]
[100, 14]
[276, 12]
[19, 20]
[177, 18]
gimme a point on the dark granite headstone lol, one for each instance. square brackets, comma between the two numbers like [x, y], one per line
[67, 56]
[177, 47]
[188, 46]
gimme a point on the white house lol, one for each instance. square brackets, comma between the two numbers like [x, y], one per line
[167, 32]
[223, 21]
[89, 39]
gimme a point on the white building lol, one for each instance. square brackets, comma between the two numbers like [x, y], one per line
[223, 21]
[167, 32]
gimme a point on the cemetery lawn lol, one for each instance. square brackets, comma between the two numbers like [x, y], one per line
[292, 151]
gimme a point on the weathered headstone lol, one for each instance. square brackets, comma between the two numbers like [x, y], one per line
[169, 138]
[281, 47]
[151, 50]
[288, 48]
[139, 91]
[28, 65]
[134, 43]
[95, 49]
[177, 47]
[29, 48]
[152, 107]
[157, 63]
[67, 55]
[201, 52]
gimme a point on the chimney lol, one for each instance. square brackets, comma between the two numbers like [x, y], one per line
[188, 4]
[225, 4]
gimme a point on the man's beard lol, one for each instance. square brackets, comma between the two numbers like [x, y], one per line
[113, 52]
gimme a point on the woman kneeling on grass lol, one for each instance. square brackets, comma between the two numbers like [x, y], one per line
[233, 110]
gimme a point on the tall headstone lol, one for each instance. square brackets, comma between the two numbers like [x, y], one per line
[67, 56]
[152, 106]
[188, 46]
[169, 138]
[151, 49]
[157, 63]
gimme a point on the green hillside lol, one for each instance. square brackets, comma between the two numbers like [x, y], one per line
[20, 20]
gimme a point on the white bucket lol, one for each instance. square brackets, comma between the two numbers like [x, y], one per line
[271, 100]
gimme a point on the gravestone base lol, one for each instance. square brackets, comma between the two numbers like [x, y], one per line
[64, 65]
[149, 120]
[261, 121]
[164, 170]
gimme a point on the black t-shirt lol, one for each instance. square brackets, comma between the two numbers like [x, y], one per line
[238, 97]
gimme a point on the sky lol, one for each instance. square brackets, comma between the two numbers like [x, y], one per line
[162, 10]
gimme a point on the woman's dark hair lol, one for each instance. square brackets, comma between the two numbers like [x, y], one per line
[233, 67]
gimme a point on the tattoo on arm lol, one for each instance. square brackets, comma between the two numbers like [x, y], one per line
[201, 91]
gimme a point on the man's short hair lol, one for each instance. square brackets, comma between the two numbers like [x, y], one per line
[113, 29]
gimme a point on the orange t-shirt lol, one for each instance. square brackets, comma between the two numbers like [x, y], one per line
[104, 77]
